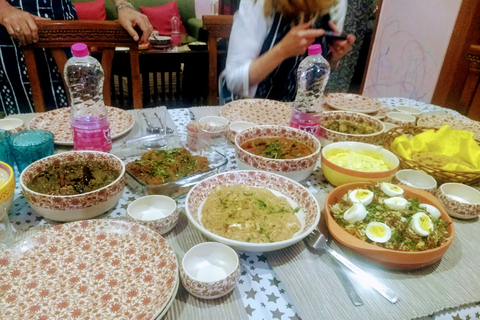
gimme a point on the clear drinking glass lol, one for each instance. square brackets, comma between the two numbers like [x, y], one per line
[213, 132]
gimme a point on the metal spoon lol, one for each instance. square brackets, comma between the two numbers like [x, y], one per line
[169, 130]
[150, 127]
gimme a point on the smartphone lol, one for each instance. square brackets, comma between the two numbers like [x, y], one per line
[332, 35]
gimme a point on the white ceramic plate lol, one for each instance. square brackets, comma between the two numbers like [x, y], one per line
[58, 122]
[258, 111]
[97, 269]
[352, 102]
[291, 189]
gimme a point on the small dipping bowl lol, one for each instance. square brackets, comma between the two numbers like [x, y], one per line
[12, 125]
[417, 179]
[459, 200]
[237, 126]
[210, 270]
[389, 126]
[156, 212]
[400, 118]
[409, 110]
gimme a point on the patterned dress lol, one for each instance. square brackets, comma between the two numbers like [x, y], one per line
[15, 91]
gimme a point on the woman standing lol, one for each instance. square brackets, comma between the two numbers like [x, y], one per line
[268, 41]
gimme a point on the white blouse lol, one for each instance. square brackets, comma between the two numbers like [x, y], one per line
[249, 31]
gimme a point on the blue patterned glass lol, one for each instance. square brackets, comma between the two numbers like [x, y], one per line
[30, 146]
[5, 150]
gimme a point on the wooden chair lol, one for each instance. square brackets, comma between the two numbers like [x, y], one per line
[470, 98]
[59, 34]
[217, 26]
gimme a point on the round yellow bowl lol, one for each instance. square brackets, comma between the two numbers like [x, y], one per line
[6, 189]
[338, 175]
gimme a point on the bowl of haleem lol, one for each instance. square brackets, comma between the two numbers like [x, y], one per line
[290, 152]
[252, 210]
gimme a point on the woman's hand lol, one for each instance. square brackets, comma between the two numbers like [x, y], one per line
[339, 48]
[130, 18]
[298, 39]
[20, 24]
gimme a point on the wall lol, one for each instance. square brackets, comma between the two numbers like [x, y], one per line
[409, 48]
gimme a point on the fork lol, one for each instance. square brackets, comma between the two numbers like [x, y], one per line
[318, 241]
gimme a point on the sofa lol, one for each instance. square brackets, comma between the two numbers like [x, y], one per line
[186, 9]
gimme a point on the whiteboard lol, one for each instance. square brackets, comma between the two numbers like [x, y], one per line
[409, 48]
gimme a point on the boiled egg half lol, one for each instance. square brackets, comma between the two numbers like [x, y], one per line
[391, 190]
[362, 196]
[378, 232]
[355, 213]
[434, 212]
[396, 203]
[421, 224]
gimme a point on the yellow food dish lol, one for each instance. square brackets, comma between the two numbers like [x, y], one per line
[362, 160]
[250, 214]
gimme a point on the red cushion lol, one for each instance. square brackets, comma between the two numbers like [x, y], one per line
[91, 10]
[160, 17]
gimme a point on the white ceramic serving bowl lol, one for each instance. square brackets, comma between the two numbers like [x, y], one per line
[210, 270]
[459, 200]
[12, 125]
[400, 118]
[296, 169]
[409, 110]
[338, 175]
[329, 136]
[74, 207]
[7, 189]
[417, 179]
[156, 212]
[308, 216]
[236, 126]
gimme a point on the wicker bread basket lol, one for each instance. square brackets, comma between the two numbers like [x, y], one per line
[441, 175]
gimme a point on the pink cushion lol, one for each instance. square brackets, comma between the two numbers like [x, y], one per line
[160, 17]
[94, 10]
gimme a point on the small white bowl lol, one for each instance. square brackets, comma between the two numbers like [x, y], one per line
[237, 126]
[459, 200]
[214, 121]
[389, 126]
[417, 179]
[400, 118]
[210, 270]
[156, 212]
[12, 125]
[409, 110]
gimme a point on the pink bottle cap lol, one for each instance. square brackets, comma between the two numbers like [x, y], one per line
[314, 49]
[80, 50]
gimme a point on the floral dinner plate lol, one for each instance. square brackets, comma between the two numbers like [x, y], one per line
[460, 123]
[258, 111]
[58, 122]
[352, 102]
[95, 269]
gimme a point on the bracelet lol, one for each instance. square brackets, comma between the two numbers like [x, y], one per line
[123, 5]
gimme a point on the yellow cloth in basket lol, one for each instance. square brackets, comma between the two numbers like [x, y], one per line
[445, 141]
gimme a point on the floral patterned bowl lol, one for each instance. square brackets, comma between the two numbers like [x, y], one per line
[74, 207]
[156, 212]
[309, 215]
[297, 169]
[459, 200]
[328, 136]
[210, 270]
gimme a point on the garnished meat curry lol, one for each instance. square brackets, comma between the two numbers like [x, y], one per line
[161, 166]
[277, 148]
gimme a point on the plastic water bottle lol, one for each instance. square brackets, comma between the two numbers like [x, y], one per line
[89, 116]
[176, 37]
[312, 77]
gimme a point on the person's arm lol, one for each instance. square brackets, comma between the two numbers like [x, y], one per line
[20, 24]
[339, 48]
[295, 42]
[130, 18]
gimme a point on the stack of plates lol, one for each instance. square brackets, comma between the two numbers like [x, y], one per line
[96, 269]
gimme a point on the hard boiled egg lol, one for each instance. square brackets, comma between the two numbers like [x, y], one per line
[421, 224]
[396, 203]
[355, 213]
[391, 190]
[362, 196]
[378, 232]
[434, 212]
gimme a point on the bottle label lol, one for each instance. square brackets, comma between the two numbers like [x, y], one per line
[313, 129]
[92, 139]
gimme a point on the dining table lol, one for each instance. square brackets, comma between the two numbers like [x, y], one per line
[297, 282]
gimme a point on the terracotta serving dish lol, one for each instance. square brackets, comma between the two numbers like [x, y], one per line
[297, 169]
[391, 259]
